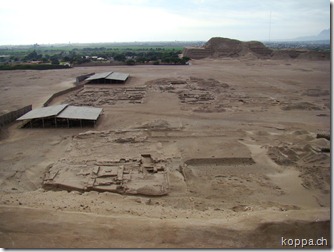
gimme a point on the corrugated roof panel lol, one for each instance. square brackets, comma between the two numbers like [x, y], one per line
[99, 76]
[43, 112]
[118, 76]
[84, 113]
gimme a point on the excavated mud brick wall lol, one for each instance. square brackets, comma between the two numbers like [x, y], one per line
[260, 49]
[61, 93]
[196, 53]
[13, 115]
[83, 77]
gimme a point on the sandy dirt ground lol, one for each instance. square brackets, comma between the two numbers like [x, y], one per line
[240, 139]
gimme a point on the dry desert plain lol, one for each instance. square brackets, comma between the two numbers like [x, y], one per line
[239, 139]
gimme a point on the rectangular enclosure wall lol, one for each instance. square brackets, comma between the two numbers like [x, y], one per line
[13, 115]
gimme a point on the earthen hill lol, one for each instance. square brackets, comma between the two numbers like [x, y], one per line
[218, 47]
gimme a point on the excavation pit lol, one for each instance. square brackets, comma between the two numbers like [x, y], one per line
[220, 161]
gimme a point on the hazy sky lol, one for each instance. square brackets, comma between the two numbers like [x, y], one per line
[63, 21]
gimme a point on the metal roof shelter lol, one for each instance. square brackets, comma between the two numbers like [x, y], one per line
[98, 76]
[55, 115]
[43, 112]
[108, 77]
[84, 113]
[118, 76]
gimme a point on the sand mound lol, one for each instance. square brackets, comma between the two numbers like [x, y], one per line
[310, 156]
[321, 145]
[283, 155]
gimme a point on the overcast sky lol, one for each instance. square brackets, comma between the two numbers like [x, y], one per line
[64, 21]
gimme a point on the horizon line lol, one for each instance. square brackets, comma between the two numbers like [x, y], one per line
[160, 41]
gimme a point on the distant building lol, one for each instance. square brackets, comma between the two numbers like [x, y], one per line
[65, 64]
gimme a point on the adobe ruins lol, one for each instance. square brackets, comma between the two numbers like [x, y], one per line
[142, 175]
[218, 47]
[225, 47]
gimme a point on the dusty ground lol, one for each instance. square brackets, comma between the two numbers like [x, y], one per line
[239, 138]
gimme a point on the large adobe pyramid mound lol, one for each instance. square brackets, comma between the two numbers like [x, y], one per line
[224, 47]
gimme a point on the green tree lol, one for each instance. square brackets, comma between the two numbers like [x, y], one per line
[130, 62]
[34, 56]
[119, 57]
[141, 59]
[54, 60]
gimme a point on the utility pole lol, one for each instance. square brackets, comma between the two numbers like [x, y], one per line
[269, 25]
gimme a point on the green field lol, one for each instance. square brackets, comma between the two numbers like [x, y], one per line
[76, 54]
